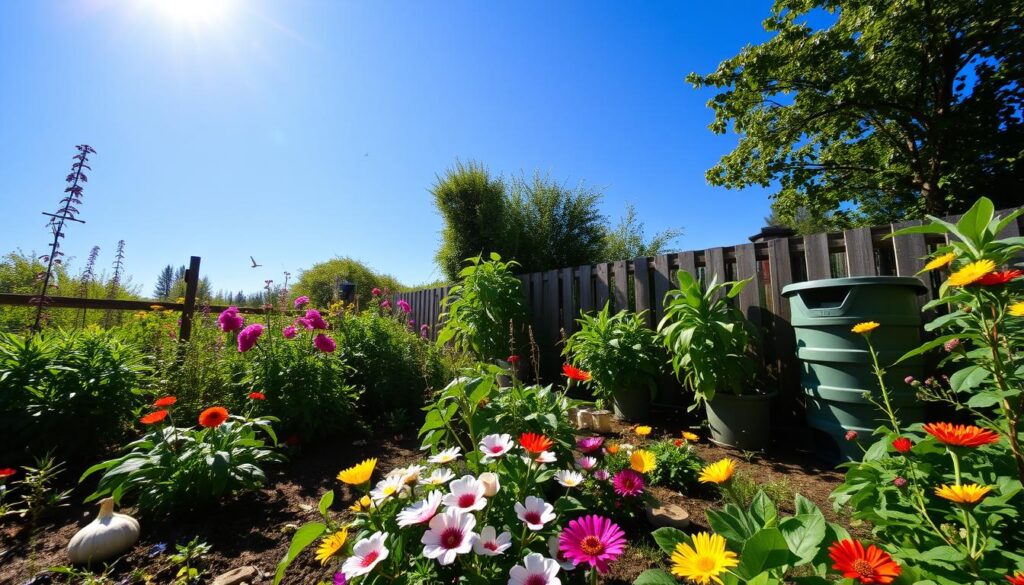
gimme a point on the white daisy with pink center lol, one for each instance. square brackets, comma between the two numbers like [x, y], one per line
[490, 543]
[422, 511]
[495, 446]
[450, 534]
[366, 554]
[535, 570]
[535, 512]
[467, 495]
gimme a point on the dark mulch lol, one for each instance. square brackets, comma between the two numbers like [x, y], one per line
[254, 529]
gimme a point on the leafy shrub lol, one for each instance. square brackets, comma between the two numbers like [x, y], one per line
[678, 465]
[319, 282]
[174, 468]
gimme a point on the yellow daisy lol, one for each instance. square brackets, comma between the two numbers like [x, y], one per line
[705, 561]
[359, 473]
[642, 430]
[971, 493]
[1017, 309]
[361, 504]
[718, 472]
[940, 261]
[691, 437]
[331, 545]
[866, 327]
[642, 461]
[971, 273]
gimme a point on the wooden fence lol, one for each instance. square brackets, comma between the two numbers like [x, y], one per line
[556, 297]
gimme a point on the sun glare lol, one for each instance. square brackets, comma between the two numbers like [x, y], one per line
[194, 12]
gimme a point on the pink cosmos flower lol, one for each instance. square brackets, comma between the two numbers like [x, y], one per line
[594, 540]
[366, 554]
[490, 543]
[314, 318]
[589, 444]
[229, 320]
[248, 336]
[405, 306]
[451, 534]
[375, 292]
[421, 511]
[324, 343]
[301, 302]
[289, 332]
[467, 495]
[628, 483]
[494, 446]
[586, 463]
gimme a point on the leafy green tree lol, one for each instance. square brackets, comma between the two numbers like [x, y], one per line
[893, 110]
[164, 281]
[626, 240]
[319, 282]
[472, 204]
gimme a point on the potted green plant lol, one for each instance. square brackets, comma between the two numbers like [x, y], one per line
[621, 354]
[708, 340]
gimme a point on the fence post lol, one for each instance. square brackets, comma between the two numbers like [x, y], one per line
[191, 288]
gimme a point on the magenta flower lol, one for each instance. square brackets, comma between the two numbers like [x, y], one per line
[594, 540]
[385, 304]
[339, 578]
[229, 320]
[289, 332]
[304, 323]
[589, 444]
[324, 343]
[247, 338]
[301, 302]
[315, 320]
[628, 483]
[375, 292]
[405, 306]
[602, 475]
[412, 323]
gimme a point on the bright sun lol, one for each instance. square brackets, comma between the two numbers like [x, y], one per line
[194, 12]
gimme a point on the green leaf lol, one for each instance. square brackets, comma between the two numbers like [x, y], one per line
[763, 510]
[973, 223]
[765, 551]
[302, 538]
[654, 577]
[325, 502]
[803, 534]
[667, 538]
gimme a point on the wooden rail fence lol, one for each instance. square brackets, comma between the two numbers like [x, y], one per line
[556, 297]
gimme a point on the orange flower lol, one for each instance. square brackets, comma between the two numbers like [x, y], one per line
[612, 448]
[257, 396]
[213, 417]
[873, 565]
[535, 443]
[999, 277]
[153, 417]
[1016, 579]
[165, 402]
[961, 435]
[575, 373]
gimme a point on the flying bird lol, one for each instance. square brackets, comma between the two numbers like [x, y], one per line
[254, 264]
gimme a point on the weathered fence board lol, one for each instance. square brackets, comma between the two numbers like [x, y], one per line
[642, 287]
[602, 286]
[860, 254]
[586, 288]
[620, 293]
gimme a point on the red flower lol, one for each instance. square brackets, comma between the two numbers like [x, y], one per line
[213, 417]
[873, 565]
[678, 442]
[7, 472]
[851, 435]
[1016, 579]
[535, 443]
[961, 435]
[257, 396]
[153, 417]
[999, 277]
[165, 402]
[513, 360]
[576, 373]
[903, 445]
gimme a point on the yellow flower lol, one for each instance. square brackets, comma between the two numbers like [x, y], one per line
[179, 300]
[642, 430]
[705, 561]
[718, 472]
[331, 545]
[691, 437]
[358, 474]
[361, 504]
[971, 273]
[1017, 309]
[971, 493]
[866, 327]
[642, 461]
[940, 261]
[155, 307]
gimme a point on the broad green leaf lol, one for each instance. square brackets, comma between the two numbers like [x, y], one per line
[667, 538]
[765, 551]
[804, 534]
[302, 538]
[763, 510]
[654, 577]
[325, 502]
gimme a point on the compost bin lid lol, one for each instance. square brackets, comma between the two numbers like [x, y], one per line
[911, 281]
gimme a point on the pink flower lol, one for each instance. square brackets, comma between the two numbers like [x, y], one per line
[229, 320]
[589, 444]
[304, 323]
[247, 338]
[628, 483]
[315, 320]
[301, 302]
[450, 534]
[594, 540]
[411, 323]
[324, 343]
[289, 332]
[405, 306]
[851, 435]
[602, 475]
[375, 292]
[386, 304]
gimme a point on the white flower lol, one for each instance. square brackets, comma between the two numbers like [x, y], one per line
[535, 570]
[586, 463]
[546, 457]
[438, 477]
[626, 447]
[556, 553]
[422, 511]
[567, 478]
[494, 446]
[489, 545]
[446, 456]
[536, 513]
[407, 474]
[491, 483]
[387, 487]
[467, 495]
[365, 555]
[450, 534]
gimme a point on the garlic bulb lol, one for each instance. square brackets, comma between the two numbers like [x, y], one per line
[109, 535]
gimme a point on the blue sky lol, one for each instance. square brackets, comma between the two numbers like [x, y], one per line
[296, 131]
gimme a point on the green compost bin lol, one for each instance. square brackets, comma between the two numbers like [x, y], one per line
[835, 366]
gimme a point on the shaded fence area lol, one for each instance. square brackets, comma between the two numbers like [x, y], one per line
[772, 259]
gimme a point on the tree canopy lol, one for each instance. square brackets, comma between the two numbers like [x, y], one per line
[893, 110]
[319, 281]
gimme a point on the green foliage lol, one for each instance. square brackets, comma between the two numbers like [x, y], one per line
[181, 468]
[707, 337]
[187, 557]
[319, 282]
[484, 311]
[626, 239]
[678, 467]
[620, 352]
[742, 490]
[67, 391]
[472, 205]
[891, 110]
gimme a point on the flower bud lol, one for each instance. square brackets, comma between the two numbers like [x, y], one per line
[899, 482]
[951, 345]
[490, 483]
[851, 435]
